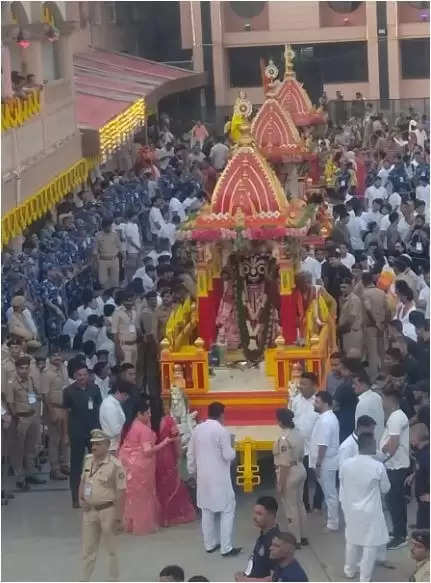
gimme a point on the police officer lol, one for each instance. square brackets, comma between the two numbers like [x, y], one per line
[124, 329]
[102, 494]
[288, 452]
[107, 249]
[53, 380]
[23, 399]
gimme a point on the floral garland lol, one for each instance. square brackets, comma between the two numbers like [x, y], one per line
[250, 355]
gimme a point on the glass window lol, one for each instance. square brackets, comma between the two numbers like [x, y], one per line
[344, 7]
[245, 64]
[415, 58]
[51, 69]
[247, 9]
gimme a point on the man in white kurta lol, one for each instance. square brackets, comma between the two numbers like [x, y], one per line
[209, 457]
[349, 448]
[369, 402]
[363, 480]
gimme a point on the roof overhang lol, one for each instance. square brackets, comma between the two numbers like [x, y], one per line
[115, 92]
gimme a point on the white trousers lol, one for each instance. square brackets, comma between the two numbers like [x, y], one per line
[365, 562]
[217, 528]
[327, 481]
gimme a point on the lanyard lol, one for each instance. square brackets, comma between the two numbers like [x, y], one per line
[94, 472]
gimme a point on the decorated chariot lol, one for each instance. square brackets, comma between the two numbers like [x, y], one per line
[256, 323]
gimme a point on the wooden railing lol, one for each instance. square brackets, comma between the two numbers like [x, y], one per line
[194, 363]
[315, 358]
[15, 111]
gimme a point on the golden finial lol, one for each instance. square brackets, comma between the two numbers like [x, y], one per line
[289, 55]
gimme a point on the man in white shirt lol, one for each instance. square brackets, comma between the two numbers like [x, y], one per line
[156, 218]
[374, 214]
[324, 444]
[102, 378]
[423, 193]
[165, 154]
[384, 172]
[369, 402]
[310, 264]
[147, 273]
[133, 244]
[302, 405]
[377, 190]
[356, 228]
[209, 457]
[346, 258]
[395, 447]
[349, 447]
[363, 480]
[111, 414]
[219, 155]
[176, 208]
[395, 201]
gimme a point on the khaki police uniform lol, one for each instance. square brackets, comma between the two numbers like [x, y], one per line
[376, 315]
[24, 400]
[124, 325]
[101, 486]
[108, 247]
[351, 318]
[288, 453]
[53, 381]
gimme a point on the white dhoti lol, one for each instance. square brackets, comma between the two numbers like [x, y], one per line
[363, 558]
[217, 528]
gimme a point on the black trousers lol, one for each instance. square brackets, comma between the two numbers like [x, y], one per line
[77, 454]
[318, 494]
[397, 502]
[423, 515]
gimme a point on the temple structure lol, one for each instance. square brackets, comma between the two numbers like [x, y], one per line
[293, 98]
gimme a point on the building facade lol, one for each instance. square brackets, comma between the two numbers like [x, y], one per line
[378, 48]
[71, 100]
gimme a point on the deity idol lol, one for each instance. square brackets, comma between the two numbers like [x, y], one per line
[258, 316]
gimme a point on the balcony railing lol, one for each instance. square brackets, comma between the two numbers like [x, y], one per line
[15, 111]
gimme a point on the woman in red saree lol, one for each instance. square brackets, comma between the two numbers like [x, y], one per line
[175, 503]
[137, 453]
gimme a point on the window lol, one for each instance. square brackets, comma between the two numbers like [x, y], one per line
[342, 62]
[415, 58]
[110, 12]
[51, 69]
[420, 5]
[344, 7]
[247, 9]
[245, 64]
[331, 62]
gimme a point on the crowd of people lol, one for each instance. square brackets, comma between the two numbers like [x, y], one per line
[84, 308]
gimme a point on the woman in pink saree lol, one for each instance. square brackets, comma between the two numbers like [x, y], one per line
[137, 453]
[175, 503]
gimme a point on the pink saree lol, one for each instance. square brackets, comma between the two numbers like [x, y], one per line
[141, 512]
[175, 504]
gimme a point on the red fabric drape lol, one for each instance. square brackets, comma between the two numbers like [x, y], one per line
[288, 318]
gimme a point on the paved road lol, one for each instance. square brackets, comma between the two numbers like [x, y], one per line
[41, 542]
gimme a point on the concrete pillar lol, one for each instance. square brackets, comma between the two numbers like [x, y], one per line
[198, 53]
[6, 82]
[372, 51]
[65, 57]
[219, 60]
[32, 60]
[394, 57]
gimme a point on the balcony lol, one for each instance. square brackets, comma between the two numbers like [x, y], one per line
[39, 140]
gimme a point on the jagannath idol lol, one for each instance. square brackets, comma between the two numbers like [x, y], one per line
[247, 317]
